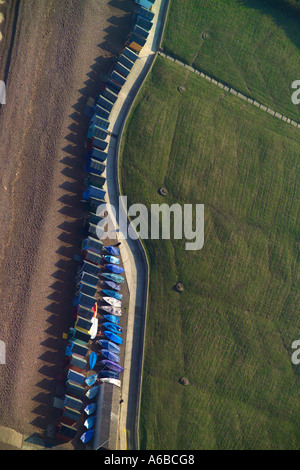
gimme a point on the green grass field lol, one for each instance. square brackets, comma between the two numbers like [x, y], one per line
[252, 45]
[230, 331]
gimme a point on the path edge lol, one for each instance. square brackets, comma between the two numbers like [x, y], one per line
[140, 243]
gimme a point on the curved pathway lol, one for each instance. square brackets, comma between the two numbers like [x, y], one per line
[132, 252]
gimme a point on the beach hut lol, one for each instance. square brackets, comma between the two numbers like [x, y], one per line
[85, 312]
[148, 4]
[100, 121]
[77, 360]
[92, 244]
[65, 432]
[120, 68]
[94, 141]
[72, 402]
[118, 78]
[88, 289]
[94, 192]
[143, 33]
[89, 268]
[98, 144]
[85, 300]
[88, 279]
[93, 166]
[80, 336]
[58, 403]
[130, 54]
[104, 102]
[75, 389]
[116, 88]
[83, 324]
[93, 206]
[95, 231]
[77, 347]
[136, 42]
[145, 13]
[96, 219]
[95, 129]
[93, 257]
[107, 418]
[144, 23]
[98, 154]
[70, 416]
[87, 197]
[109, 94]
[88, 207]
[126, 62]
[89, 109]
[101, 112]
[95, 180]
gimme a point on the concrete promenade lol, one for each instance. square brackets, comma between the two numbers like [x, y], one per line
[132, 252]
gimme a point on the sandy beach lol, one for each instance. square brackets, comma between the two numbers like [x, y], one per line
[53, 57]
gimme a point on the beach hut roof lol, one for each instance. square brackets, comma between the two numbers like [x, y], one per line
[91, 242]
[126, 61]
[137, 39]
[141, 31]
[95, 165]
[72, 402]
[85, 312]
[110, 95]
[145, 3]
[104, 102]
[94, 257]
[96, 130]
[144, 23]
[67, 431]
[106, 426]
[122, 69]
[69, 413]
[116, 88]
[130, 54]
[101, 112]
[75, 389]
[78, 348]
[78, 361]
[96, 180]
[117, 77]
[83, 323]
[100, 121]
[90, 268]
[98, 154]
[145, 13]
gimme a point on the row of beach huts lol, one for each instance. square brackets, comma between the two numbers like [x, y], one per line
[89, 405]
